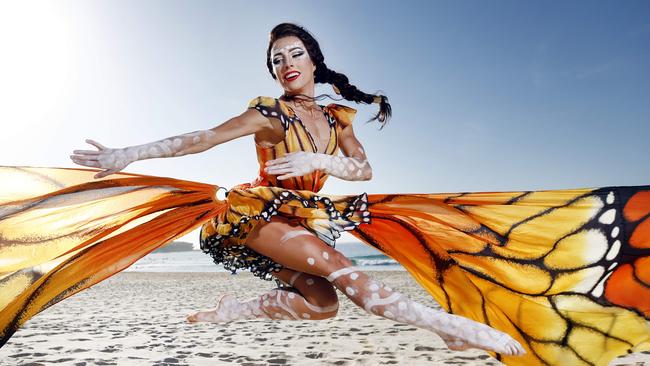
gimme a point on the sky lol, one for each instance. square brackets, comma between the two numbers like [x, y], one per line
[487, 96]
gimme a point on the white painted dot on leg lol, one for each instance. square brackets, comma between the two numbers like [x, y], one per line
[374, 287]
[266, 303]
[388, 314]
[388, 288]
[354, 276]
[278, 315]
[306, 316]
[326, 255]
[311, 261]
[350, 291]
[310, 281]
[291, 295]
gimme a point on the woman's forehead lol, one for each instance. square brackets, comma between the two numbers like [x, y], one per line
[285, 44]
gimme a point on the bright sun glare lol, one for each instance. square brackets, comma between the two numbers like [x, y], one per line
[36, 61]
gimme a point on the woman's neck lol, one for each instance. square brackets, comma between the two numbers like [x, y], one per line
[303, 98]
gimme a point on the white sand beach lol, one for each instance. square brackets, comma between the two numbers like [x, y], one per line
[139, 319]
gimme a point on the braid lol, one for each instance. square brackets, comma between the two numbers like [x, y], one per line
[342, 86]
[325, 75]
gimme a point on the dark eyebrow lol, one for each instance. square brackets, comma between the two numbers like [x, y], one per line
[292, 49]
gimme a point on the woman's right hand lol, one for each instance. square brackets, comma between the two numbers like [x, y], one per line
[112, 160]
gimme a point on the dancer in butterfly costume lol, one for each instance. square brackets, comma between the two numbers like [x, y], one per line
[535, 278]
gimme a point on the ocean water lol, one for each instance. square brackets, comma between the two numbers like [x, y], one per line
[361, 254]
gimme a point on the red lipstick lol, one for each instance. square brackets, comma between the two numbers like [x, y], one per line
[291, 75]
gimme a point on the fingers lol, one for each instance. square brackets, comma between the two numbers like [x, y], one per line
[106, 173]
[290, 175]
[96, 144]
[288, 157]
[86, 152]
[90, 163]
[85, 157]
[277, 161]
[277, 168]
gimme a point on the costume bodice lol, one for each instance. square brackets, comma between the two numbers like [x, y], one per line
[297, 138]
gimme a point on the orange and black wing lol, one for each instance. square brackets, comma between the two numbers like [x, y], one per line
[61, 231]
[565, 272]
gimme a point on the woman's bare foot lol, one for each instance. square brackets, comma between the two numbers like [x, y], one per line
[505, 345]
[223, 313]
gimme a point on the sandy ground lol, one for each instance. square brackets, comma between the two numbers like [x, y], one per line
[139, 319]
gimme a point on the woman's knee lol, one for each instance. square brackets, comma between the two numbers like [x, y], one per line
[339, 260]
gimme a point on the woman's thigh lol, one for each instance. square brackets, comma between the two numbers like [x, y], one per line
[296, 248]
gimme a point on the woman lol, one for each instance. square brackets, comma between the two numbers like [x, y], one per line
[506, 259]
[304, 139]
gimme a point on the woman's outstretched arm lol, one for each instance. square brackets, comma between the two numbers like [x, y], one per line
[114, 160]
[354, 166]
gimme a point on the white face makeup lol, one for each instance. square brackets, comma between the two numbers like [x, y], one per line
[295, 49]
[292, 66]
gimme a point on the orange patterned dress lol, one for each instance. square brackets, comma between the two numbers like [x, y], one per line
[223, 236]
[564, 272]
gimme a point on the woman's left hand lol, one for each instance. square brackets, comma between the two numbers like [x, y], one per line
[293, 164]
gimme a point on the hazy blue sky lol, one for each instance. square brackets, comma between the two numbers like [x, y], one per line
[487, 95]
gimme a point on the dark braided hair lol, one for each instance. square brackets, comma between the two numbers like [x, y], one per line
[325, 75]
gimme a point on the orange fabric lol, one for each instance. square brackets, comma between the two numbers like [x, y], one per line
[65, 231]
[297, 138]
[554, 269]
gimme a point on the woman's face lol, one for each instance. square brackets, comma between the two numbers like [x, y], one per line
[292, 65]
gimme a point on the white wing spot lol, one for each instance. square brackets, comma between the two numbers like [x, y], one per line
[608, 217]
[613, 251]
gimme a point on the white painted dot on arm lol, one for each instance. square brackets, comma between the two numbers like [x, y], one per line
[350, 291]
[311, 261]
[326, 255]
[310, 281]
[354, 276]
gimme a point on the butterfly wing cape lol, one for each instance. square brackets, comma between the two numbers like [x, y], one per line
[565, 272]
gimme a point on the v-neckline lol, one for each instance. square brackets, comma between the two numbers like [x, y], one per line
[309, 134]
